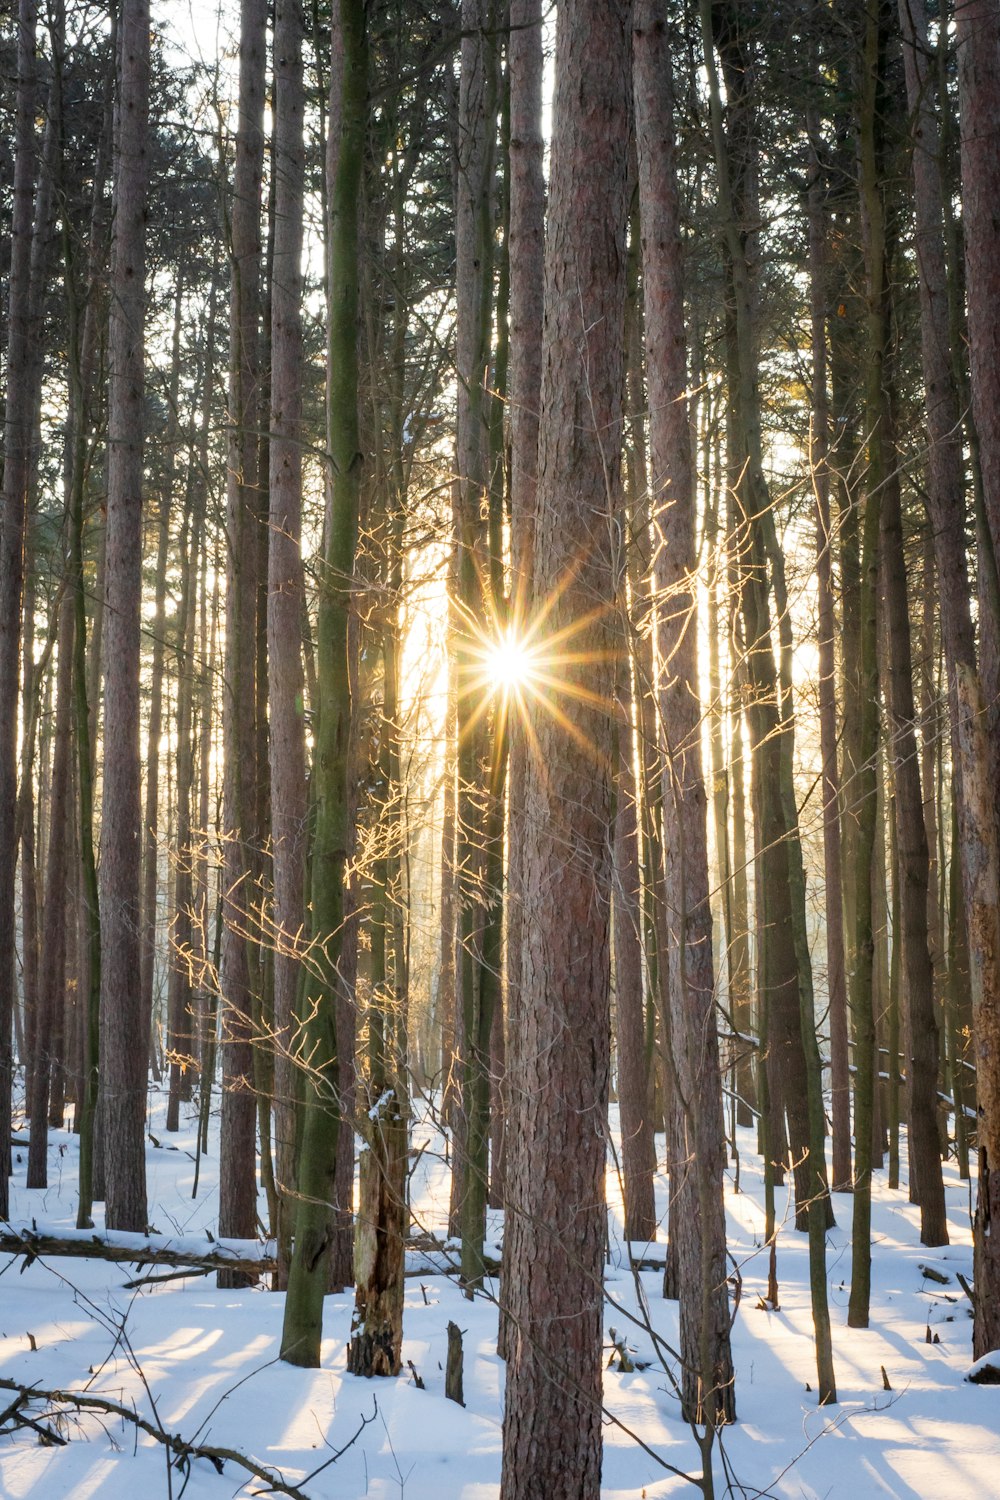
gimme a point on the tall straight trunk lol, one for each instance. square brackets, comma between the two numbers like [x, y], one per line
[526, 256]
[787, 972]
[552, 1416]
[19, 423]
[308, 1274]
[48, 1022]
[698, 1217]
[150, 852]
[474, 609]
[25, 1015]
[375, 1346]
[286, 587]
[638, 1157]
[912, 938]
[840, 1084]
[977, 31]
[83, 320]
[180, 1020]
[865, 687]
[124, 1045]
[238, 1178]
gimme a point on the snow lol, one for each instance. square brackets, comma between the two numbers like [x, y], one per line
[208, 1360]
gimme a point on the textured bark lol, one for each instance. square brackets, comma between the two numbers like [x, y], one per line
[238, 1181]
[982, 883]
[840, 1084]
[48, 1026]
[552, 1417]
[309, 1272]
[526, 255]
[474, 610]
[697, 1216]
[124, 1047]
[921, 1032]
[18, 433]
[285, 589]
[181, 1023]
[977, 30]
[865, 672]
[638, 1159]
[150, 852]
[786, 972]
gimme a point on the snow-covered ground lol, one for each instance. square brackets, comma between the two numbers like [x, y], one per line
[203, 1363]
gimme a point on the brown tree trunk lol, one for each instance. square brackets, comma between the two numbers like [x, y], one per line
[921, 1032]
[48, 1023]
[19, 420]
[977, 30]
[285, 590]
[474, 610]
[238, 1178]
[124, 1037]
[552, 1417]
[151, 852]
[840, 1082]
[698, 1216]
[638, 1158]
[526, 256]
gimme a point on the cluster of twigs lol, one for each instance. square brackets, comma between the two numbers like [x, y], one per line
[18, 1415]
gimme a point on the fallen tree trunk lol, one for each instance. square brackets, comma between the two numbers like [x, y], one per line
[249, 1257]
[138, 1249]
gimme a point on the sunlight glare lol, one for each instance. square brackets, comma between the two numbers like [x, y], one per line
[508, 663]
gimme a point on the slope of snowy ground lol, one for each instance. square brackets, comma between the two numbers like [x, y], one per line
[203, 1363]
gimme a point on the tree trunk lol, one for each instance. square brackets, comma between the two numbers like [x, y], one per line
[48, 1024]
[475, 617]
[552, 1417]
[526, 254]
[124, 1038]
[977, 26]
[840, 1084]
[308, 1274]
[920, 1031]
[864, 801]
[19, 423]
[638, 1158]
[238, 1178]
[285, 592]
[698, 1215]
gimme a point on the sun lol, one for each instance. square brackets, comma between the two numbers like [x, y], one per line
[508, 663]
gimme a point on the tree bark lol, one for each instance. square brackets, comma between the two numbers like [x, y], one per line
[526, 256]
[977, 30]
[48, 1024]
[308, 1274]
[19, 420]
[238, 1178]
[286, 587]
[920, 1031]
[840, 1083]
[698, 1215]
[552, 1417]
[124, 1045]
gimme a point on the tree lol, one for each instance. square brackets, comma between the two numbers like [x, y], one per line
[307, 1281]
[19, 419]
[286, 685]
[238, 1179]
[552, 1416]
[697, 1222]
[124, 1035]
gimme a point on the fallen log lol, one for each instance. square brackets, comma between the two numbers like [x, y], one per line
[245, 1256]
[425, 1257]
